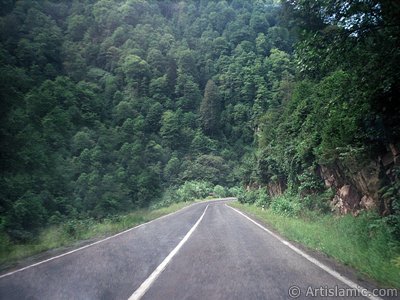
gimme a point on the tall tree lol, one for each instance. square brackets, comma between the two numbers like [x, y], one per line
[210, 109]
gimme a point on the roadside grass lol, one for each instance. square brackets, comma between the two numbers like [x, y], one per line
[73, 232]
[358, 242]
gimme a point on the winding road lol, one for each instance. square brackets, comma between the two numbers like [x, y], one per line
[205, 251]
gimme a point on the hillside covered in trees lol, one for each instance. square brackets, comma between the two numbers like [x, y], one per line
[110, 105]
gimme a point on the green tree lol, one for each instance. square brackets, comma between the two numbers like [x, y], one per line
[170, 129]
[210, 109]
[137, 72]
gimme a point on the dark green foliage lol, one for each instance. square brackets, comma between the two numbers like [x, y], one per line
[107, 104]
[259, 197]
[192, 190]
[171, 130]
[210, 109]
[391, 194]
[332, 102]
[318, 203]
[286, 205]
[336, 105]
[26, 216]
[208, 168]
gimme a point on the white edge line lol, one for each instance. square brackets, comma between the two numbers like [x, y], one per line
[139, 293]
[363, 291]
[103, 240]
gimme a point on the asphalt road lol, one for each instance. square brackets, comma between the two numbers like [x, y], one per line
[226, 257]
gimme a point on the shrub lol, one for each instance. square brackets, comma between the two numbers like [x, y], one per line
[234, 191]
[286, 205]
[241, 195]
[391, 193]
[193, 190]
[263, 199]
[318, 203]
[26, 217]
[258, 197]
[219, 191]
[168, 197]
[248, 197]
[76, 228]
[310, 183]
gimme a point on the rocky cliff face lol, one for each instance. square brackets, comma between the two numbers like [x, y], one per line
[277, 187]
[358, 188]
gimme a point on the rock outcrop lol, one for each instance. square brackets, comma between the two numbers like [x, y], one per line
[358, 188]
[347, 200]
[276, 188]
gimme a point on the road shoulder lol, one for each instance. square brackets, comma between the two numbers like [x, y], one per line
[348, 272]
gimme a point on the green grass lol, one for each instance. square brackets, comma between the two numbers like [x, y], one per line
[360, 242]
[74, 232]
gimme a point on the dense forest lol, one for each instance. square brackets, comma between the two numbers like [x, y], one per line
[111, 105]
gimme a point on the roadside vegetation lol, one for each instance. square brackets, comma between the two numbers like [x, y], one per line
[365, 242]
[112, 110]
[74, 232]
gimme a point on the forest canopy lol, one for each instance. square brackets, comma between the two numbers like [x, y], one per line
[109, 104]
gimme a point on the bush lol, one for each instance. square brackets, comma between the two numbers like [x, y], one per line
[247, 196]
[240, 194]
[168, 198]
[219, 191]
[286, 205]
[4, 242]
[189, 191]
[263, 199]
[391, 193]
[76, 228]
[234, 191]
[318, 203]
[310, 183]
[193, 190]
[26, 217]
[258, 197]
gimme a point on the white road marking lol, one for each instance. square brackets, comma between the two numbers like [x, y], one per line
[363, 291]
[103, 240]
[139, 293]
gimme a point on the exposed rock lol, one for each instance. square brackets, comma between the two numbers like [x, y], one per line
[395, 152]
[347, 200]
[253, 186]
[368, 180]
[349, 188]
[276, 188]
[332, 176]
[367, 203]
[391, 157]
[385, 207]
[336, 204]
[350, 196]
[361, 177]
[393, 148]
